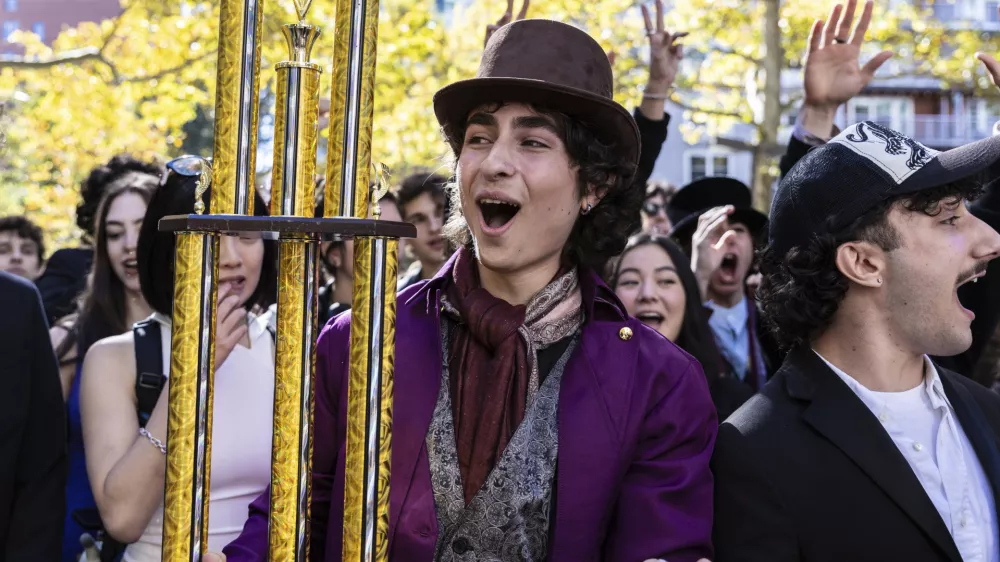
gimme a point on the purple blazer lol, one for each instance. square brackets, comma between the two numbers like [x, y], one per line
[636, 432]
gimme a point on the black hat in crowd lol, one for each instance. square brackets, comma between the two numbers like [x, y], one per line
[866, 164]
[703, 194]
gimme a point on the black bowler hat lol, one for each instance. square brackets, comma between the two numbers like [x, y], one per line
[701, 195]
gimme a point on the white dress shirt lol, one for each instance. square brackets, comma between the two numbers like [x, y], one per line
[922, 424]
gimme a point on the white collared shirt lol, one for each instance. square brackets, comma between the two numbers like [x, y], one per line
[923, 425]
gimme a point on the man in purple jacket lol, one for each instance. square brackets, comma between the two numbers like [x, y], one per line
[533, 419]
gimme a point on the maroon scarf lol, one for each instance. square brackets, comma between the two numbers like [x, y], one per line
[492, 363]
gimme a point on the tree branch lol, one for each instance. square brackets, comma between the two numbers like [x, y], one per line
[76, 56]
[706, 110]
[167, 71]
[729, 51]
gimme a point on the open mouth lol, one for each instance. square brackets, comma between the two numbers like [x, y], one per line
[497, 214]
[131, 266]
[651, 319]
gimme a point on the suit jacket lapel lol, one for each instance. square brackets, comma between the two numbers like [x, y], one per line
[842, 418]
[418, 377]
[976, 428]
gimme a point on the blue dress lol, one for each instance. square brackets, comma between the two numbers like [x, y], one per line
[78, 493]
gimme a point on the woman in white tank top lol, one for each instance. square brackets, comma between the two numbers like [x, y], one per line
[127, 465]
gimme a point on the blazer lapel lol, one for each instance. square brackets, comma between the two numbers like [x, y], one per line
[977, 429]
[843, 419]
[417, 379]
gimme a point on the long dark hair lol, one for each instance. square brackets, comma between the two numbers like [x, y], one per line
[155, 253]
[696, 336]
[101, 306]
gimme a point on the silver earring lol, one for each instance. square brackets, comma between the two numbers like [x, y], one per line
[587, 210]
[879, 280]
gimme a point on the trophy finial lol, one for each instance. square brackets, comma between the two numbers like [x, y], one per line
[204, 181]
[302, 8]
[381, 187]
[301, 38]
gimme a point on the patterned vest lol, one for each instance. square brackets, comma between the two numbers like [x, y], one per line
[508, 519]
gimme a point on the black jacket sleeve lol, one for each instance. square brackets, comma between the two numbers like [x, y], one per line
[39, 496]
[652, 135]
[751, 524]
[796, 150]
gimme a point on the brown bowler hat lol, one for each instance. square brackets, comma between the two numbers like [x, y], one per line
[550, 64]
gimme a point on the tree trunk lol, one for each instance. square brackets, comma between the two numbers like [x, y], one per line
[774, 62]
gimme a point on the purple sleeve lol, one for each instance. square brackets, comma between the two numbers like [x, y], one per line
[251, 546]
[665, 504]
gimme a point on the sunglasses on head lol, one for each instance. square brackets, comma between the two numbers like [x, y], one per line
[188, 165]
[651, 208]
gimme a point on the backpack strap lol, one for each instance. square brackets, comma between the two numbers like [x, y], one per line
[149, 376]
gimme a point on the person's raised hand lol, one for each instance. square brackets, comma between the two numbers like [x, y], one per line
[708, 243]
[833, 73]
[506, 18]
[665, 53]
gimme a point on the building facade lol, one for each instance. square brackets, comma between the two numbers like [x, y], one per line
[46, 18]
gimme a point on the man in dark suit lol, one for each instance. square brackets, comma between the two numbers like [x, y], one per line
[860, 448]
[32, 430]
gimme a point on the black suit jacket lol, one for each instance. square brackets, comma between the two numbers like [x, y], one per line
[805, 472]
[32, 430]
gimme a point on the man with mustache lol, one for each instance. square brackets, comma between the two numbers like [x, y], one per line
[861, 448]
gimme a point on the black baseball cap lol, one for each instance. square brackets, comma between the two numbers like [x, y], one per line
[866, 164]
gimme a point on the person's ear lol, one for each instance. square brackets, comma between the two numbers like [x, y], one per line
[862, 263]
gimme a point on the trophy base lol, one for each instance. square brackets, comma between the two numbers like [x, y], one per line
[274, 228]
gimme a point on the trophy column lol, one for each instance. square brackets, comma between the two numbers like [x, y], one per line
[292, 194]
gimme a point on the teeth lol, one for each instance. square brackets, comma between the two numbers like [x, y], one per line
[497, 202]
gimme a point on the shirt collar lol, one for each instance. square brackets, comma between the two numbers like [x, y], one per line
[735, 315]
[932, 384]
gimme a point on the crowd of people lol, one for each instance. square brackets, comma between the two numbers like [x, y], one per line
[598, 366]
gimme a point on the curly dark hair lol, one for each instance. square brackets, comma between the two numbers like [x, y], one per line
[600, 234]
[801, 290]
[24, 228]
[92, 189]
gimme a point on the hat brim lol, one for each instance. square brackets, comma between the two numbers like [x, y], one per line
[611, 122]
[980, 157]
[755, 221]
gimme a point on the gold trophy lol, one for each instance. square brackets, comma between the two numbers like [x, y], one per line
[349, 202]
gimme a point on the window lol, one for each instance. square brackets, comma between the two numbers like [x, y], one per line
[720, 166]
[698, 168]
[993, 12]
[38, 28]
[945, 10]
[9, 27]
[10, 5]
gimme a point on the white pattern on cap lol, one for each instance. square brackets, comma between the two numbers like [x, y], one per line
[896, 154]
